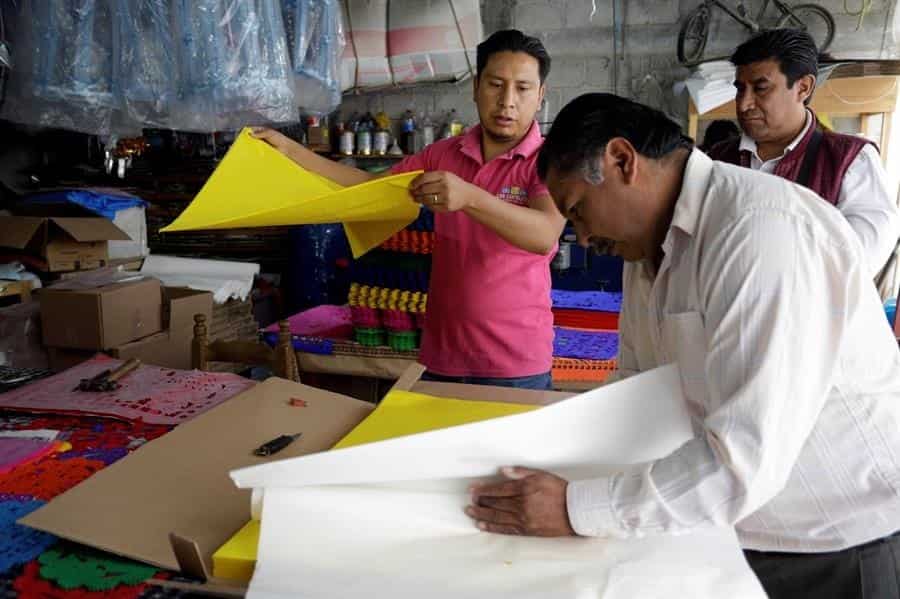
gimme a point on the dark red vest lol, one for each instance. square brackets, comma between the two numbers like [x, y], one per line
[835, 153]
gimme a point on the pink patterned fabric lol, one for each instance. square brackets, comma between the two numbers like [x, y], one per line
[17, 451]
[330, 322]
[151, 394]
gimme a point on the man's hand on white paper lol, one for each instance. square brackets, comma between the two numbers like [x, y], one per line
[530, 503]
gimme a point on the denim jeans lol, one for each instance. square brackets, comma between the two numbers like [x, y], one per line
[540, 382]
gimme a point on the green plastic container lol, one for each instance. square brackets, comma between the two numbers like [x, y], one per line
[369, 337]
[403, 340]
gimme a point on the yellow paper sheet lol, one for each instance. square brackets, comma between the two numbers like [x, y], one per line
[255, 185]
[399, 413]
[404, 413]
[236, 559]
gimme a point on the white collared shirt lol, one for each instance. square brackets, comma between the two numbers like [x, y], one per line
[864, 198]
[790, 370]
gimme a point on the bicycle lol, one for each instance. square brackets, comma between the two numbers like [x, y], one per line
[694, 33]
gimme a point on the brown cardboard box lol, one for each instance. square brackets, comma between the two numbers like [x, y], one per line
[172, 504]
[101, 317]
[170, 348]
[64, 243]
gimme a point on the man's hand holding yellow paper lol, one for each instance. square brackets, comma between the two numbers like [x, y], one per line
[256, 185]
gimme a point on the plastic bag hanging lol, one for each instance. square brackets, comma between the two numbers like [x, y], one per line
[315, 36]
[234, 65]
[65, 80]
[145, 64]
[112, 67]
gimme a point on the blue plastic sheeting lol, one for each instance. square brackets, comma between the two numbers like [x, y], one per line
[101, 203]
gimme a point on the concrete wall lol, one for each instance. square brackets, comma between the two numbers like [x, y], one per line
[645, 67]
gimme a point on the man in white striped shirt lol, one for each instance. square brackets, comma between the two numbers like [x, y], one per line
[760, 292]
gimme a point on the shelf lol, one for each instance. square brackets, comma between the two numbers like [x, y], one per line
[367, 157]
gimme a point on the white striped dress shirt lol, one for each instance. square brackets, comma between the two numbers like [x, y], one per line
[790, 370]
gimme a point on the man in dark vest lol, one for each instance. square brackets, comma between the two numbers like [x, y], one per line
[775, 79]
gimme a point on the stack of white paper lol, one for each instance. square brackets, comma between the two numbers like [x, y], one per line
[711, 85]
[226, 280]
[386, 519]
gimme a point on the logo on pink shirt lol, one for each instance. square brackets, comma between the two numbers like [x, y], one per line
[514, 195]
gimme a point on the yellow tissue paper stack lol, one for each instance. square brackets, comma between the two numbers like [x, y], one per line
[257, 186]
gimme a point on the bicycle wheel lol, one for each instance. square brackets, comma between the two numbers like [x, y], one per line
[693, 35]
[813, 19]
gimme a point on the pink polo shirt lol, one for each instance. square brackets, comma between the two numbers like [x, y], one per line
[488, 301]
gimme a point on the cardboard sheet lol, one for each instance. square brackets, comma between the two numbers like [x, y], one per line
[179, 482]
[394, 510]
[257, 186]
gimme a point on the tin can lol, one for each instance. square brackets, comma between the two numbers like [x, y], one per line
[347, 142]
[364, 142]
[563, 258]
[382, 141]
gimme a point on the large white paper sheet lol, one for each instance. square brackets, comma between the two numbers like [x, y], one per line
[226, 280]
[386, 519]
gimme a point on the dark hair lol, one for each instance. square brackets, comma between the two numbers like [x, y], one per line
[585, 125]
[513, 40]
[793, 49]
[718, 131]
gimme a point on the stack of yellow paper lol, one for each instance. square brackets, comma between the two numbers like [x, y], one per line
[257, 186]
[399, 413]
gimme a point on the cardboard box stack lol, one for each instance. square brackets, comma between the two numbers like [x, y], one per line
[126, 317]
[58, 244]
[232, 321]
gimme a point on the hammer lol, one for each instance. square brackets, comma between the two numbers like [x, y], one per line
[108, 380]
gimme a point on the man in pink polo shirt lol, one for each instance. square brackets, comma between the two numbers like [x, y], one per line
[496, 227]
